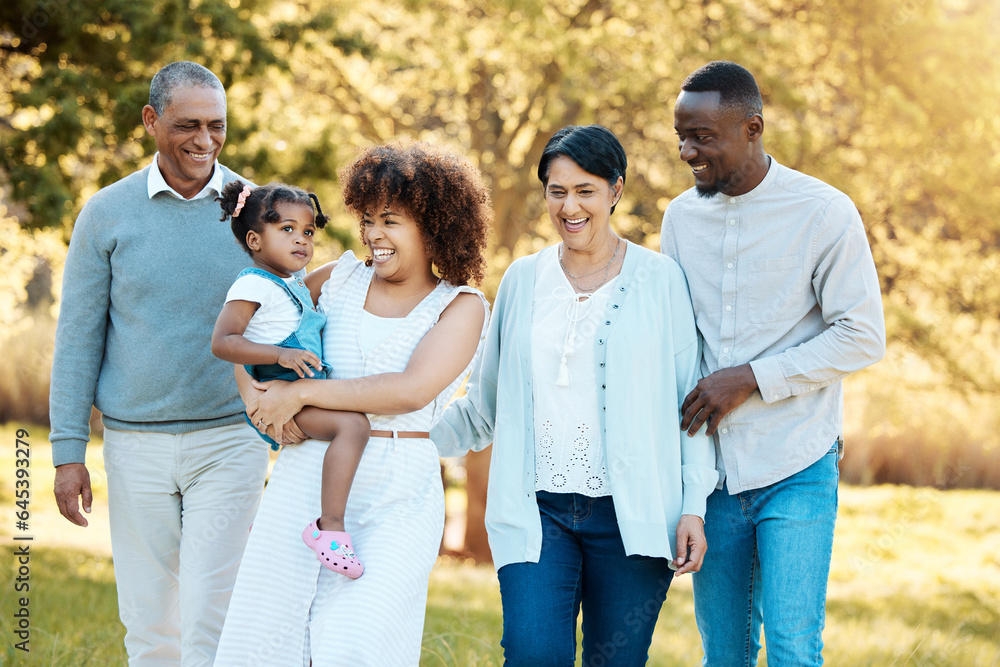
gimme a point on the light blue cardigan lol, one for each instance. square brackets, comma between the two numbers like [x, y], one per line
[647, 352]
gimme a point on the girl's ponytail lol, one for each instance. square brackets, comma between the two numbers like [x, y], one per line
[320, 219]
[229, 200]
[242, 206]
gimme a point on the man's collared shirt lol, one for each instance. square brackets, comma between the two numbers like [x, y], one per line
[156, 183]
[782, 278]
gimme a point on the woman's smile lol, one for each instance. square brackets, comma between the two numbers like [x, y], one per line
[382, 254]
[574, 224]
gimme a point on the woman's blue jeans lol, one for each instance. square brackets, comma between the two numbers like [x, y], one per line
[582, 564]
[768, 562]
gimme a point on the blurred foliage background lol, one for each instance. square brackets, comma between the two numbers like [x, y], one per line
[892, 102]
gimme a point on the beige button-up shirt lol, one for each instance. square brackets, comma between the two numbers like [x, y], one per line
[782, 278]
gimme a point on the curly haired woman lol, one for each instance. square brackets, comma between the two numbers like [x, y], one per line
[399, 338]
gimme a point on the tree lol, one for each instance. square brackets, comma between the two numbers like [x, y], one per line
[860, 94]
[78, 76]
[884, 100]
[497, 79]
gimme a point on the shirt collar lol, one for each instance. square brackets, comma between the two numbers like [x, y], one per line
[155, 183]
[765, 183]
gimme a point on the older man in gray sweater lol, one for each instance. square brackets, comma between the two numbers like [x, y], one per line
[148, 267]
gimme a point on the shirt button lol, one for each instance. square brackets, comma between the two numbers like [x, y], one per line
[726, 350]
[775, 397]
[728, 308]
[729, 266]
[602, 364]
[725, 430]
[601, 341]
[607, 321]
[615, 306]
[732, 200]
[621, 289]
[603, 387]
[732, 222]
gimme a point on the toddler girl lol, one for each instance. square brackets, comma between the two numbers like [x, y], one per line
[271, 325]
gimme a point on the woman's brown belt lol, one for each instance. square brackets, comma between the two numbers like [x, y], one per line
[401, 434]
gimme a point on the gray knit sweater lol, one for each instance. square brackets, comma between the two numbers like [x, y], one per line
[144, 282]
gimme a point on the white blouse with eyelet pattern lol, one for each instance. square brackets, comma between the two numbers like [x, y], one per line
[569, 449]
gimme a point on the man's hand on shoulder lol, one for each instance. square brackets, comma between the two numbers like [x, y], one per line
[73, 482]
[716, 396]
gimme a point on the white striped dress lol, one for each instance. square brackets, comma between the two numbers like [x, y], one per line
[286, 608]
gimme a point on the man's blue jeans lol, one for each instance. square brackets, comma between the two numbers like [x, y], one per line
[768, 561]
[582, 562]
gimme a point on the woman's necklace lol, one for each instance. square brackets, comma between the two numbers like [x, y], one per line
[607, 269]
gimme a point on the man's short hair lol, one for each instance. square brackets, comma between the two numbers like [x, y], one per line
[181, 74]
[736, 86]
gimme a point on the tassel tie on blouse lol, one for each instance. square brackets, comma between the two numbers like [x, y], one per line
[575, 312]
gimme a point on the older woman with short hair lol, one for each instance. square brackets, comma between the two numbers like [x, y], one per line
[595, 493]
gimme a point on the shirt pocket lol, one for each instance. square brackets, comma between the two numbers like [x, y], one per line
[776, 289]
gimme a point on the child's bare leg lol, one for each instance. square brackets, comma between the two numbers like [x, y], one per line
[348, 433]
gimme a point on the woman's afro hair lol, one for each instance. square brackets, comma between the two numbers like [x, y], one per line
[441, 191]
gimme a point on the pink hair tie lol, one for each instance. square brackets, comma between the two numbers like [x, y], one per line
[242, 199]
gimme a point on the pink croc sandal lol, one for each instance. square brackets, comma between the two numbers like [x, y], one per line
[333, 548]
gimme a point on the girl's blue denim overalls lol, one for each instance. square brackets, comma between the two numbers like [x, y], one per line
[308, 336]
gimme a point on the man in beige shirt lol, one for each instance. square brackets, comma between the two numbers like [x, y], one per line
[788, 303]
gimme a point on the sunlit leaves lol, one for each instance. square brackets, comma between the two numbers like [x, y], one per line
[80, 75]
[892, 102]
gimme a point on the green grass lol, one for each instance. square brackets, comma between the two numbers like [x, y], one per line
[915, 581]
[463, 621]
[73, 608]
